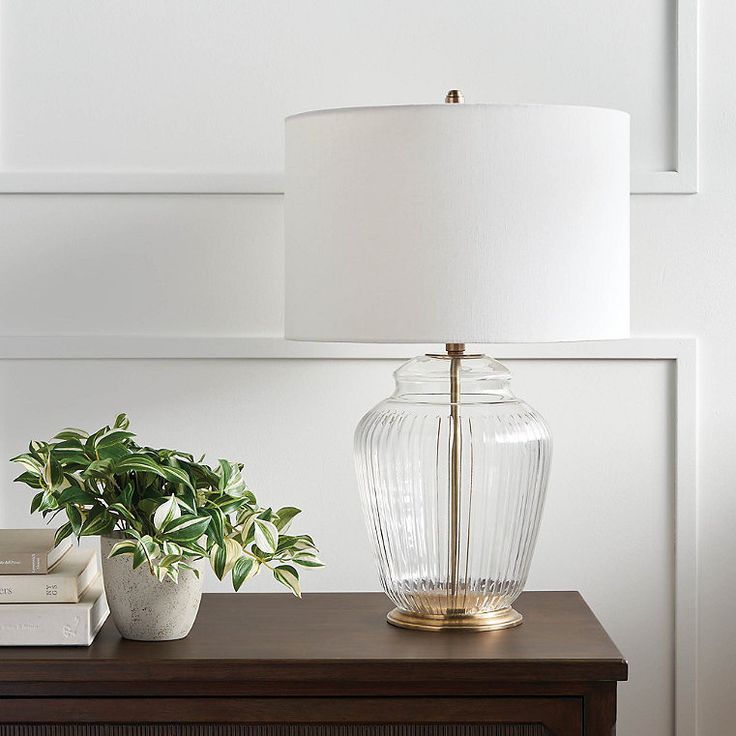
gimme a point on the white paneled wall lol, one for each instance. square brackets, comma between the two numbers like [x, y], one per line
[132, 95]
[142, 265]
[135, 85]
[188, 96]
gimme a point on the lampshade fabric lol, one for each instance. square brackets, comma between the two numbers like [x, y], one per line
[457, 223]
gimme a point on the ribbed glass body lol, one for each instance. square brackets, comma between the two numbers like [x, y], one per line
[452, 490]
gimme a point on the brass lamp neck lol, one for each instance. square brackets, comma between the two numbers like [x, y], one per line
[455, 348]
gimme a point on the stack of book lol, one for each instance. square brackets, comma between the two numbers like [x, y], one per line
[49, 594]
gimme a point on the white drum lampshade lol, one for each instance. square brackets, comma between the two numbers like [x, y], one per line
[456, 224]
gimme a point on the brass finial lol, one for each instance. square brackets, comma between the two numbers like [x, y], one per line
[454, 96]
[455, 349]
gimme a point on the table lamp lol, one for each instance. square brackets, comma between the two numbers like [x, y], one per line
[454, 224]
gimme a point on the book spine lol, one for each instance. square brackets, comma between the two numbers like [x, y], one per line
[27, 563]
[32, 589]
[45, 626]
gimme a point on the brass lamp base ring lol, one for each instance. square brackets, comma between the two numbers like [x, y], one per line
[492, 621]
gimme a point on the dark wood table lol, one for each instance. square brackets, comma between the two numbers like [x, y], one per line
[329, 665]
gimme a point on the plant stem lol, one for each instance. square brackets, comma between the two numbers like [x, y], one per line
[258, 559]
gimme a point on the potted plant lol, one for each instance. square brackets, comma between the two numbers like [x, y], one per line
[160, 515]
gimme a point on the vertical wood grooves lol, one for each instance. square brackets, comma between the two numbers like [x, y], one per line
[297, 729]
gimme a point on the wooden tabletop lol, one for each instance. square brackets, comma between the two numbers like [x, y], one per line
[252, 643]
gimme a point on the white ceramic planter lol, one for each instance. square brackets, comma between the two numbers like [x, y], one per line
[144, 608]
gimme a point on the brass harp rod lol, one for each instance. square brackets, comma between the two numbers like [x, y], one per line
[455, 351]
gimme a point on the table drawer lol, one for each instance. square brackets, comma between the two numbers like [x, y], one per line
[213, 729]
[276, 716]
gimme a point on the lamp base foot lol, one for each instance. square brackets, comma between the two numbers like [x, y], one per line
[492, 621]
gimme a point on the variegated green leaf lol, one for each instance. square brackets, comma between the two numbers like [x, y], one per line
[53, 475]
[125, 547]
[218, 557]
[245, 513]
[75, 519]
[223, 471]
[138, 462]
[126, 495]
[193, 550]
[266, 535]
[216, 529]
[146, 551]
[175, 475]
[71, 433]
[30, 463]
[307, 561]
[166, 512]
[121, 421]
[49, 502]
[114, 437]
[186, 566]
[64, 531]
[36, 502]
[139, 556]
[123, 511]
[234, 551]
[168, 560]
[284, 517]
[289, 577]
[171, 549]
[231, 482]
[91, 442]
[304, 542]
[112, 452]
[186, 528]
[99, 469]
[223, 557]
[75, 480]
[243, 569]
[29, 479]
[247, 534]
[76, 495]
[98, 522]
[38, 449]
[70, 458]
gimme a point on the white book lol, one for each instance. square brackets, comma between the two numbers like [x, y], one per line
[66, 582]
[52, 624]
[30, 551]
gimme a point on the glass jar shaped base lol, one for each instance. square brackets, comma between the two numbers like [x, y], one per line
[453, 470]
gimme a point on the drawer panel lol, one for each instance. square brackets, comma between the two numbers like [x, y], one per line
[174, 729]
[285, 716]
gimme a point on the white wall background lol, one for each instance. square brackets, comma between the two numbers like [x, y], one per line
[162, 89]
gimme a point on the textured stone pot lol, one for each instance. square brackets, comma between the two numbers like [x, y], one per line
[144, 608]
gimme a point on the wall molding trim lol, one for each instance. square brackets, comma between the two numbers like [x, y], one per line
[683, 179]
[139, 347]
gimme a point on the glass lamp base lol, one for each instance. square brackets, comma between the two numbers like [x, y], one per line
[452, 470]
[491, 621]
